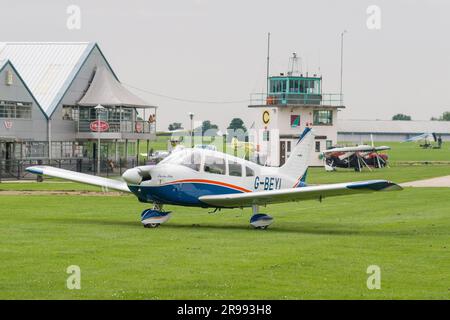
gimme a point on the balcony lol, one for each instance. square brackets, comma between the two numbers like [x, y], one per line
[296, 99]
[117, 129]
[116, 122]
[138, 126]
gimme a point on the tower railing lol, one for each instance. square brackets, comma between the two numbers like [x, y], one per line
[324, 99]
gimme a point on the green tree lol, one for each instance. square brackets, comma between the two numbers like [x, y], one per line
[444, 117]
[175, 126]
[401, 116]
[207, 125]
[237, 123]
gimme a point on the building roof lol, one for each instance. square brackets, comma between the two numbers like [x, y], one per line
[393, 126]
[106, 90]
[3, 63]
[47, 68]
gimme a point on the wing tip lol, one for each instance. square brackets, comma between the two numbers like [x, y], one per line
[35, 170]
[377, 185]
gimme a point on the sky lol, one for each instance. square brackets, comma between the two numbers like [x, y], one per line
[209, 56]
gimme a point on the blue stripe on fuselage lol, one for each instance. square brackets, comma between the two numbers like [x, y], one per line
[184, 194]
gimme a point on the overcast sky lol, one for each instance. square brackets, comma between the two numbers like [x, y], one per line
[215, 50]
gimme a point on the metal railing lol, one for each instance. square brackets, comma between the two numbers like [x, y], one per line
[138, 126]
[15, 169]
[325, 99]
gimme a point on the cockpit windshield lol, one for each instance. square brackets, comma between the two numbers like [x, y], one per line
[189, 158]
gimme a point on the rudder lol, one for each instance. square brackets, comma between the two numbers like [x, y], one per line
[297, 163]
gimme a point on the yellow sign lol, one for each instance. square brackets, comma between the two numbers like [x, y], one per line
[266, 117]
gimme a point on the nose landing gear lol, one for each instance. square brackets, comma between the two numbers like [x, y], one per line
[153, 218]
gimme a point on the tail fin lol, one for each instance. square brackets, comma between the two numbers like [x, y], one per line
[297, 164]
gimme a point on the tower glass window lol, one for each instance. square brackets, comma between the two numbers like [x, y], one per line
[323, 117]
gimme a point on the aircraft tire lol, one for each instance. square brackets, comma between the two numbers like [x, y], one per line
[152, 225]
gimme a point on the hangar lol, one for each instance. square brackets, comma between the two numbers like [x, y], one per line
[389, 130]
[48, 95]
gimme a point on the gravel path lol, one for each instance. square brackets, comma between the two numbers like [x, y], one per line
[434, 182]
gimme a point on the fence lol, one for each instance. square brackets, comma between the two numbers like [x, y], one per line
[15, 169]
[137, 126]
[324, 99]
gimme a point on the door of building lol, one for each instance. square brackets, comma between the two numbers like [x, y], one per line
[9, 150]
[282, 152]
[2, 150]
[7, 156]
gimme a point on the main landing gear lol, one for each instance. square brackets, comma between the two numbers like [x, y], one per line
[153, 218]
[260, 220]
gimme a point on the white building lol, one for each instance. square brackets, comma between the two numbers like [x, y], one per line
[389, 130]
[293, 103]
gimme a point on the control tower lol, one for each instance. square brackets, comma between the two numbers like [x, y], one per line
[294, 101]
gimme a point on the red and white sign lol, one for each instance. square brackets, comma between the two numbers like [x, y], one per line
[8, 124]
[99, 126]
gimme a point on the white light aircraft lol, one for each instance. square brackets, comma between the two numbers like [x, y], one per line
[211, 179]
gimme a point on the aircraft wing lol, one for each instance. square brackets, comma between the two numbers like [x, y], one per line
[297, 194]
[420, 137]
[79, 177]
[362, 148]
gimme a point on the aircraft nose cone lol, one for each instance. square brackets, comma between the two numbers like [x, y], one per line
[132, 176]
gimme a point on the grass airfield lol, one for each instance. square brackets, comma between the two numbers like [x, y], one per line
[312, 251]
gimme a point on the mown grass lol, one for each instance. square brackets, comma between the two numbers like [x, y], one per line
[397, 174]
[400, 151]
[411, 152]
[312, 251]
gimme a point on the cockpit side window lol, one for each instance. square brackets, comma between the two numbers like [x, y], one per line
[249, 172]
[234, 168]
[214, 164]
[188, 158]
[192, 161]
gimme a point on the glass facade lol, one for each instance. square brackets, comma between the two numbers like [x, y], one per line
[295, 85]
[294, 90]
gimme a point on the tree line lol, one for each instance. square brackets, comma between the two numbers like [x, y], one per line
[444, 117]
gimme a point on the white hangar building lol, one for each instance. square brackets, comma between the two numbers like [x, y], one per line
[389, 130]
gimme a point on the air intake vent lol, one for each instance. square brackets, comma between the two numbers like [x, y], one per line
[9, 78]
